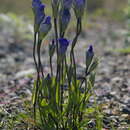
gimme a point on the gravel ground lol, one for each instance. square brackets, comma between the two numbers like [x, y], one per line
[112, 86]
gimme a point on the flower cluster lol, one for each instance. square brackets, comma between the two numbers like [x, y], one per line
[38, 9]
[42, 23]
[56, 108]
[89, 56]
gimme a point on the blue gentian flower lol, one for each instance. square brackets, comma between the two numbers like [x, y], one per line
[63, 45]
[45, 27]
[36, 4]
[64, 20]
[39, 15]
[38, 9]
[67, 4]
[89, 56]
[79, 6]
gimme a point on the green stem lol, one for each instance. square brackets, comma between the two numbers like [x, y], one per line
[34, 50]
[38, 77]
[37, 82]
[72, 57]
[62, 84]
[36, 94]
[39, 57]
[56, 37]
[51, 66]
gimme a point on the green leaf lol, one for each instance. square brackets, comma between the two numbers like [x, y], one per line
[57, 94]
[90, 110]
[83, 123]
[93, 65]
[34, 93]
[92, 79]
[44, 103]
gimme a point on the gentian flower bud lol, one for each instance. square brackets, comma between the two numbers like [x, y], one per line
[36, 4]
[63, 45]
[79, 6]
[67, 4]
[45, 27]
[89, 56]
[48, 77]
[64, 20]
[38, 9]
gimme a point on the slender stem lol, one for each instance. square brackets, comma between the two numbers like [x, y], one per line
[74, 41]
[56, 37]
[75, 73]
[36, 64]
[66, 67]
[51, 66]
[72, 57]
[39, 64]
[58, 64]
[56, 34]
[38, 78]
[34, 50]
[36, 94]
[41, 67]
[62, 70]
[39, 57]
[38, 54]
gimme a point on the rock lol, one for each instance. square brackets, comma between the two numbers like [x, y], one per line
[24, 73]
[103, 90]
[116, 79]
[126, 110]
[2, 55]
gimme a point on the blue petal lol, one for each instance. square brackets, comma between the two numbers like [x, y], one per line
[66, 16]
[63, 42]
[90, 52]
[80, 3]
[63, 45]
[90, 49]
[48, 20]
[36, 4]
[39, 13]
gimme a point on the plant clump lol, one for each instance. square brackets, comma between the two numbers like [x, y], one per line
[61, 98]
